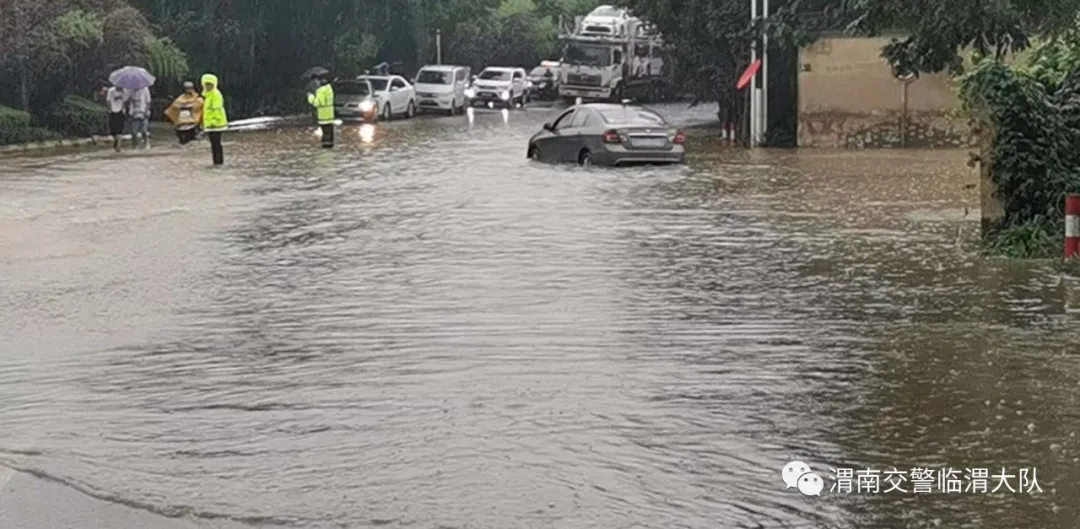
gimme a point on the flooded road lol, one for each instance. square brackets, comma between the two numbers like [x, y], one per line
[422, 329]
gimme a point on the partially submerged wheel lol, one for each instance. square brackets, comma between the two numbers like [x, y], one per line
[534, 153]
[386, 114]
[585, 158]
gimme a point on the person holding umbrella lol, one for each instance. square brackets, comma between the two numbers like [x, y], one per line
[323, 101]
[114, 98]
[136, 83]
[214, 120]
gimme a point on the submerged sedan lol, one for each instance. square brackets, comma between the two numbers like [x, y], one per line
[608, 134]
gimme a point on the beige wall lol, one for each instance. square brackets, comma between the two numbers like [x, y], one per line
[849, 97]
[849, 75]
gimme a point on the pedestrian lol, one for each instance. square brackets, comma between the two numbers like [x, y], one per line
[138, 103]
[323, 101]
[214, 120]
[186, 113]
[116, 101]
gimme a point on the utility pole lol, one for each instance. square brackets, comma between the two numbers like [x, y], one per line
[764, 73]
[754, 101]
[438, 46]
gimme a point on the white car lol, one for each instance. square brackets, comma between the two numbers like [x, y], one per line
[393, 95]
[442, 87]
[506, 87]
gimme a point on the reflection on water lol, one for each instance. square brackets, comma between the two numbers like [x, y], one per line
[422, 328]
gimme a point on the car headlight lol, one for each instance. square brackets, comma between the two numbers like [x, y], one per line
[367, 106]
[505, 94]
[469, 92]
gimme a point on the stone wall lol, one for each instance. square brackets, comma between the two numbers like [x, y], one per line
[839, 129]
[848, 97]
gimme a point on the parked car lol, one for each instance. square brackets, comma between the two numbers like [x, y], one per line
[501, 86]
[545, 80]
[608, 134]
[442, 88]
[354, 100]
[393, 94]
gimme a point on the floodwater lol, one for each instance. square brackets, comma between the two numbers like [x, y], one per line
[423, 329]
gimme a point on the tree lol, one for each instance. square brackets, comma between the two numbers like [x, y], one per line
[938, 32]
[711, 42]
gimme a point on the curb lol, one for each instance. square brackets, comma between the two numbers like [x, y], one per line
[53, 144]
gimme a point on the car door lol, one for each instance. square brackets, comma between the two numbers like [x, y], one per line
[518, 86]
[575, 135]
[549, 143]
[399, 97]
[460, 81]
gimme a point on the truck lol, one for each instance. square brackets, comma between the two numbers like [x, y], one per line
[611, 55]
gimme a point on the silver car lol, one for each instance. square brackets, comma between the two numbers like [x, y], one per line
[608, 134]
[353, 101]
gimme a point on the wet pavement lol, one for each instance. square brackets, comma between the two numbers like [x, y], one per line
[423, 329]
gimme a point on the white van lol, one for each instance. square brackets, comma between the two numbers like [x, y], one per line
[442, 87]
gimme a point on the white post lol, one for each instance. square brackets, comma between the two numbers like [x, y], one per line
[438, 46]
[764, 75]
[753, 84]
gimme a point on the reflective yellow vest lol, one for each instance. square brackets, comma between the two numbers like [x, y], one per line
[214, 118]
[323, 101]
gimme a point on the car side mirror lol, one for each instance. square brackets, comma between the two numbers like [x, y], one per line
[549, 126]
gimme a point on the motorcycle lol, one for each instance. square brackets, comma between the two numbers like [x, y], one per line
[544, 88]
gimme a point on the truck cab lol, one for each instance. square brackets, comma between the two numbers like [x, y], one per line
[608, 54]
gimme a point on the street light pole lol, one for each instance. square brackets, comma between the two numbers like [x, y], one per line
[753, 83]
[764, 73]
[438, 46]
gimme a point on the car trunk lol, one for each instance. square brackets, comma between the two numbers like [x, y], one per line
[645, 137]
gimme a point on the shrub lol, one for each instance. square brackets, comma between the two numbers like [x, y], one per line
[78, 117]
[16, 126]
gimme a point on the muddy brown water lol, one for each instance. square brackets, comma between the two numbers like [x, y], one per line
[421, 328]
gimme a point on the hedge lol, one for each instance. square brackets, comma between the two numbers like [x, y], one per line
[77, 117]
[17, 126]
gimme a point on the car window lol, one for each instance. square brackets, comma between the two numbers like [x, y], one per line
[400, 83]
[495, 75]
[378, 85]
[352, 88]
[433, 77]
[564, 120]
[517, 75]
[580, 119]
[460, 76]
[629, 114]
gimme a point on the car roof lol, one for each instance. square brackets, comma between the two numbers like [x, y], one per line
[502, 68]
[376, 77]
[441, 67]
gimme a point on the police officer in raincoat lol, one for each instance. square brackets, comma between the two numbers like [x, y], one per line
[323, 101]
[214, 120]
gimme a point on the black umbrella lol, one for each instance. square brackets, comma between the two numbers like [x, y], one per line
[317, 71]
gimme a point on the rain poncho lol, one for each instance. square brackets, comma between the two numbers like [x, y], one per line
[214, 118]
[186, 111]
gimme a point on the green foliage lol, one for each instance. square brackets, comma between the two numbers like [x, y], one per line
[355, 51]
[78, 117]
[165, 60]
[1030, 240]
[938, 31]
[1032, 113]
[79, 30]
[16, 126]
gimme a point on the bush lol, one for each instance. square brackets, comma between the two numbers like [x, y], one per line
[17, 126]
[78, 117]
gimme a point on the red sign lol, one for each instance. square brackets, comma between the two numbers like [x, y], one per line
[749, 74]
